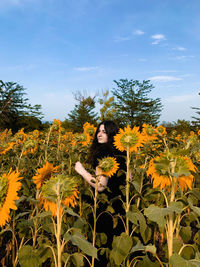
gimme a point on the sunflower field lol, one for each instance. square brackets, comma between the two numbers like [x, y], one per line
[45, 205]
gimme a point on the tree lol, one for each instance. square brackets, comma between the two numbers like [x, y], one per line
[14, 107]
[83, 112]
[107, 112]
[132, 104]
[196, 122]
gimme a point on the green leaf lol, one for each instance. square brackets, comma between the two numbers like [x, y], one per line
[156, 214]
[137, 218]
[79, 240]
[71, 212]
[77, 259]
[28, 257]
[175, 207]
[121, 247]
[195, 209]
[176, 260]
[43, 214]
[151, 249]
[186, 233]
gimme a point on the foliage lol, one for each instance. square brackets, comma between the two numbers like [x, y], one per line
[107, 111]
[196, 121]
[160, 199]
[83, 112]
[132, 104]
[14, 107]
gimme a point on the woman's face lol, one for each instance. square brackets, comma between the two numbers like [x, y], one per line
[102, 136]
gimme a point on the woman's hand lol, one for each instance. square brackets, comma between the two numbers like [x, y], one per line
[79, 168]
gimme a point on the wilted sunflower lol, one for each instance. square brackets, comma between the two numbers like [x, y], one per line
[44, 174]
[60, 186]
[128, 138]
[108, 166]
[161, 172]
[9, 185]
[89, 129]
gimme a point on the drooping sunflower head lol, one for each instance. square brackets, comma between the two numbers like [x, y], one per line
[128, 139]
[9, 186]
[59, 187]
[82, 138]
[161, 130]
[44, 174]
[108, 166]
[89, 129]
[166, 169]
[149, 132]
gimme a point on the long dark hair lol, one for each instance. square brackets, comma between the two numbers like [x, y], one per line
[96, 148]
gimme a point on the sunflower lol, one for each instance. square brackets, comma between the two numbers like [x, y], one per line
[20, 136]
[44, 174]
[82, 138]
[108, 166]
[149, 132]
[57, 125]
[6, 147]
[89, 129]
[161, 130]
[160, 169]
[9, 185]
[128, 138]
[60, 186]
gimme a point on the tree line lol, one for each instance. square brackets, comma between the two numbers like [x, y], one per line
[128, 103]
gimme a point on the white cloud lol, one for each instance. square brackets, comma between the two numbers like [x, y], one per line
[181, 98]
[179, 48]
[138, 32]
[183, 57]
[85, 68]
[164, 78]
[158, 38]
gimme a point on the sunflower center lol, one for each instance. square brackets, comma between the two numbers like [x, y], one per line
[106, 164]
[150, 130]
[90, 131]
[80, 137]
[129, 140]
[3, 190]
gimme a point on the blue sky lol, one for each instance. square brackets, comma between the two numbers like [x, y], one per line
[56, 47]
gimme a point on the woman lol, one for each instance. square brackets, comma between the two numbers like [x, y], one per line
[101, 147]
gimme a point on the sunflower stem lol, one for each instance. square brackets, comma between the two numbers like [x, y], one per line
[59, 222]
[95, 216]
[127, 189]
[171, 223]
[47, 143]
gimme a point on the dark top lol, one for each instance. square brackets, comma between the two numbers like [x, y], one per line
[118, 179]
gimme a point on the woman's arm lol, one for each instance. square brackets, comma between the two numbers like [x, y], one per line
[102, 183]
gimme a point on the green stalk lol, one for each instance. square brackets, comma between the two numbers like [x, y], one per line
[171, 224]
[58, 229]
[127, 189]
[95, 217]
[47, 143]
